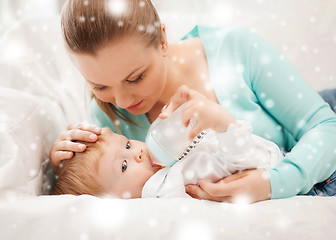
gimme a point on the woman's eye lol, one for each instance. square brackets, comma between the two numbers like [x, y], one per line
[99, 88]
[136, 80]
[128, 145]
[124, 166]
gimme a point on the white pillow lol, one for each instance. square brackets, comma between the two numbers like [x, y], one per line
[28, 126]
[33, 59]
[41, 92]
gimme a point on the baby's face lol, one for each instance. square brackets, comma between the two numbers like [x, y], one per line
[125, 166]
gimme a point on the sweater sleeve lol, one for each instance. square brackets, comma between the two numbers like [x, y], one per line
[302, 113]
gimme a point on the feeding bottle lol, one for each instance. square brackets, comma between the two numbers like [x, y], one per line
[167, 139]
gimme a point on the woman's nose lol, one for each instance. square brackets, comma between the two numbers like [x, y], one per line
[123, 100]
[138, 156]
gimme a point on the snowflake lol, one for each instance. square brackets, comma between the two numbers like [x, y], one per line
[73, 209]
[101, 211]
[301, 123]
[117, 7]
[193, 229]
[45, 28]
[268, 136]
[152, 222]
[82, 19]
[226, 103]
[242, 200]
[3, 127]
[283, 222]
[184, 209]
[142, 4]
[269, 103]
[33, 146]
[208, 87]
[240, 68]
[240, 142]
[84, 236]
[126, 195]
[150, 29]
[169, 132]
[189, 174]
[265, 59]
[14, 50]
[32, 173]
[141, 28]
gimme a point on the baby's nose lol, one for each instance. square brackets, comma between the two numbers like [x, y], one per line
[139, 157]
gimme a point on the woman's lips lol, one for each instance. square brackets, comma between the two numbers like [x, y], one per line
[135, 106]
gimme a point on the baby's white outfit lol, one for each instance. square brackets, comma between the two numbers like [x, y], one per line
[215, 156]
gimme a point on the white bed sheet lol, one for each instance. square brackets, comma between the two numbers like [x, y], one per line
[87, 217]
[44, 72]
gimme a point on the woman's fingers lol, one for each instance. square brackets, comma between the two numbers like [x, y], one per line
[69, 146]
[197, 192]
[78, 135]
[219, 189]
[247, 186]
[63, 155]
[66, 144]
[180, 97]
[86, 127]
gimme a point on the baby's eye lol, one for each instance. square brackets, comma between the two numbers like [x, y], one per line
[128, 145]
[124, 166]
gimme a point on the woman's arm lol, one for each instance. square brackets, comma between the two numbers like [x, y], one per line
[308, 121]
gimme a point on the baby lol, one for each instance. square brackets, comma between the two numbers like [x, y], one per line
[123, 168]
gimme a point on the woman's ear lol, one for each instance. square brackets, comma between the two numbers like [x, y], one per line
[164, 43]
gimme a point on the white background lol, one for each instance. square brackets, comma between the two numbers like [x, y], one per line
[304, 30]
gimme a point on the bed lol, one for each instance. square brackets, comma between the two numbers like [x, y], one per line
[40, 93]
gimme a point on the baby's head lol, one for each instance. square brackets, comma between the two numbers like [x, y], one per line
[114, 165]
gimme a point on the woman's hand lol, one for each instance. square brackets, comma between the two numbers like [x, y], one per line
[182, 95]
[204, 112]
[247, 186]
[64, 146]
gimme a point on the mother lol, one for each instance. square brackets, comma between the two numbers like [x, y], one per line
[121, 49]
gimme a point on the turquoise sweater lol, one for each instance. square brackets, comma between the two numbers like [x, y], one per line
[256, 83]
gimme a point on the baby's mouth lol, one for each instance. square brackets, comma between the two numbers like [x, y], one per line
[154, 165]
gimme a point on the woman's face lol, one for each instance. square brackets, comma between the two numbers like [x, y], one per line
[126, 73]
